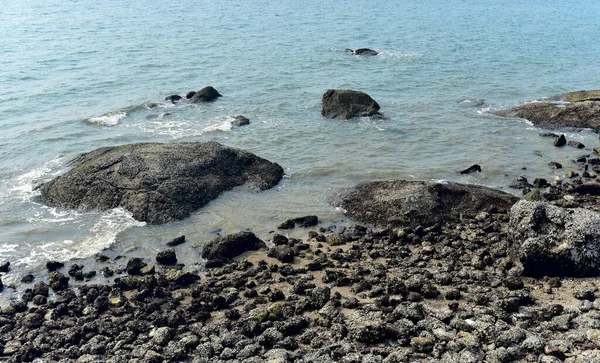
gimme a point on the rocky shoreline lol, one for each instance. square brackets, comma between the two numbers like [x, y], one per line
[435, 293]
[440, 272]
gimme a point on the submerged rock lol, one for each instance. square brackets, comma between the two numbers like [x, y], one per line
[582, 110]
[156, 182]
[206, 94]
[471, 169]
[471, 102]
[240, 121]
[414, 203]
[552, 241]
[347, 104]
[362, 51]
[561, 141]
[227, 247]
[173, 98]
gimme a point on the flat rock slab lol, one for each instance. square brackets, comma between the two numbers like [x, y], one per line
[398, 203]
[156, 182]
[582, 110]
[553, 241]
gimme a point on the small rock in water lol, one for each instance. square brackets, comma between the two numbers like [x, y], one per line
[54, 265]
[362, 51]
[571, 174]
[173, 98]
[5, 267]
[101, 258]
[561, 141]
[206, 94]
[540, 183]
[471, 169]
[166, 257]
[190, 94]
[306, 221]
[134, 265]
[279, 239]
[596, 150]
[554, 165]
[548, 134]
[576, 144]
[176, 241]
[471, 102]
[1, 285]
[240, 121]
[520, 182]
[27, 279]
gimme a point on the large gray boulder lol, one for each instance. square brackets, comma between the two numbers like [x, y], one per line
[347, 104]
[156, 182]
[412, 203]
[553, 241]
[579, 109]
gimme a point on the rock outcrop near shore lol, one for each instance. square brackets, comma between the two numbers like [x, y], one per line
[156, 182]
[582, 110]
[553, 241]
[224, 249]
[347, 104]
[414, 203]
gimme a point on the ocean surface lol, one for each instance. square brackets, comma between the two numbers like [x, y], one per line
[78, 75]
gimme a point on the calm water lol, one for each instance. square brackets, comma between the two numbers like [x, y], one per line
[75, 75]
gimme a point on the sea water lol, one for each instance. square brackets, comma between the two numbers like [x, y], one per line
[78, 75]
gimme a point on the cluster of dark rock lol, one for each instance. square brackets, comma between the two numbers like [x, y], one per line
[453, 287]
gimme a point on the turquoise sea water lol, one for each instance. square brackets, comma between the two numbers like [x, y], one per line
[75, 76]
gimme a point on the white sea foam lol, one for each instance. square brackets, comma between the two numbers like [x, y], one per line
[109, 119]
[222, 126]
[101, 235]
[23, 186]
[182, 128]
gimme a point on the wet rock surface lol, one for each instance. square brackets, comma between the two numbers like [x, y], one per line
[158, 183]
[576, 109]
[554, 241]
[413, 203]
[346, 104]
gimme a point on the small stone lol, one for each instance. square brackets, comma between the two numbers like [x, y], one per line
[585, 292]
[576, 144]
[571, 174]
[283, 253]
[540, 183]
[134, 265]
[561, 141]
[148, 270]
[548, 134]
[166, 257]
[471, 169]
[554, 165]
[27, 279]
[5, 267]
[162, 336]
[279, 239]
[54, 265]
[422, 344]
[58, 281]
[240, 121]
[176, 241]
